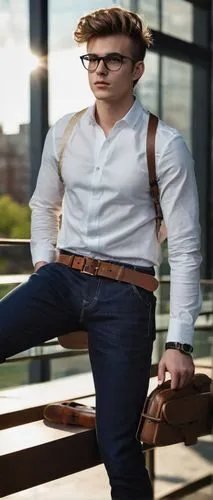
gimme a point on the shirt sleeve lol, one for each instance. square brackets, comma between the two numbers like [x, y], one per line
[46, 204]
[179, 202]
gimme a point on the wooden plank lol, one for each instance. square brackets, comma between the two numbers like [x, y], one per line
[204, 362]
[204, 365]
[29, 415]
[34, 434]
[36, 453]
[25, 404]
[26, 396]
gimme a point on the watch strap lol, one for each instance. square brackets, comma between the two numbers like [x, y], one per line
[185, 348]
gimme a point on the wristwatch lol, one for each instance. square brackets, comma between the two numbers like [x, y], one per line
[184, 348]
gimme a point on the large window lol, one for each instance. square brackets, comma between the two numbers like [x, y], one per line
[16, 62]
[148, 86]
[149, 9]
[173, 17]
[68, 85]
[177, 95]
[177, 17]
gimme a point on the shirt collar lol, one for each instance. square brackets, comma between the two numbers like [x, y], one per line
[130, 118]
[133, 114]
[91, 115]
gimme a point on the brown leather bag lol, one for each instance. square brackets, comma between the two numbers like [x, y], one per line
[169, 416]
[174, 416]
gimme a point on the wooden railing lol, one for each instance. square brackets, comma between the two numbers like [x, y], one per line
[33, 452]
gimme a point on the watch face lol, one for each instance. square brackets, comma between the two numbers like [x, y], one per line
[187, 348]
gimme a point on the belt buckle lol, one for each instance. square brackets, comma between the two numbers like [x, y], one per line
[86, 265]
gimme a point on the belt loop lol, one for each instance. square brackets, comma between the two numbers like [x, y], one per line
[71, 258]
[120, 272]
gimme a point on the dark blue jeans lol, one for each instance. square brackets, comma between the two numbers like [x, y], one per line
[120, 320]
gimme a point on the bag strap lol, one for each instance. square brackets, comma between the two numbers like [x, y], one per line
[67, 133]
[153, 183]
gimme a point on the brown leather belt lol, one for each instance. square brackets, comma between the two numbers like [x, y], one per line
[117, 272]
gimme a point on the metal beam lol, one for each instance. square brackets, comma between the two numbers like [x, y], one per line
[202, 4]
[38, 370]
[201, 136]
[39, 85]
[170, 46]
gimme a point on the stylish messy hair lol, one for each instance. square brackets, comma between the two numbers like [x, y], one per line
[114, 21]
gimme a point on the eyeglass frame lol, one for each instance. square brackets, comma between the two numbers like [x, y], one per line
[102, 58]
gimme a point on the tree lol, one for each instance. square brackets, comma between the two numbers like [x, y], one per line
[14, 218]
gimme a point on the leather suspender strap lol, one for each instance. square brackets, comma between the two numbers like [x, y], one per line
[150, 152]
[65, 138]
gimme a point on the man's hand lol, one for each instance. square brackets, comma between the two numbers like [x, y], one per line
[39, 264]
[179, 365]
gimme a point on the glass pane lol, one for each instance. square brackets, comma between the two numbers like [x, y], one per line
[177, 96]
[14, 374]
[68, 83]
[71, 365]
[149, 9]
[147, 88]
[16, 62]
[177, 19]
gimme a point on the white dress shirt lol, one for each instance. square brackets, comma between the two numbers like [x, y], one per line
[107, 211]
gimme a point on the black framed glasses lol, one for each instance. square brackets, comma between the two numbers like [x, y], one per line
[112, 62]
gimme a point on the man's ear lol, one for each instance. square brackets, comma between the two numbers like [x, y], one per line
[138, 70]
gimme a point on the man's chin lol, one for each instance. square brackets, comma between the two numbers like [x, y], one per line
[103, 95]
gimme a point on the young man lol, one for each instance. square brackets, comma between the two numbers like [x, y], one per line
[108, 225]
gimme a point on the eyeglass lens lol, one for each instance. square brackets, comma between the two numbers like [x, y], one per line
[112, 62]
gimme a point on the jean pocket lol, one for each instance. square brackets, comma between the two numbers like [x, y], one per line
[149, 300]
[146, 297]
[152, 320]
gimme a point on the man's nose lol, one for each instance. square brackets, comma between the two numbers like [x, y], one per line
[101, 67]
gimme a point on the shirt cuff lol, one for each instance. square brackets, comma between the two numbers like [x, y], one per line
[45, 254]
[180, 332]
